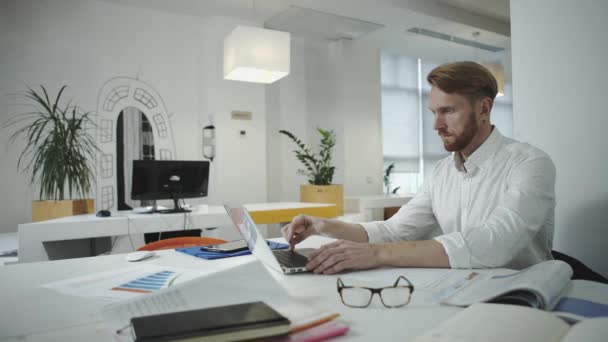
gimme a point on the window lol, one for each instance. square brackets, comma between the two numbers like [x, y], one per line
[145, 98]
[408, 137]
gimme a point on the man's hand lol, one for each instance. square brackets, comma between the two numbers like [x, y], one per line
[344, 255]
[300, 228]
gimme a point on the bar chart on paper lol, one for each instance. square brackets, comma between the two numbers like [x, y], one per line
[150, 283]
[123, 283]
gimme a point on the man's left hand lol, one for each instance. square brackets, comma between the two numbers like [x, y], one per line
[344, 255]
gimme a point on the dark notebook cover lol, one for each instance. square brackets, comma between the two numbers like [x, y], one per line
[231, 322]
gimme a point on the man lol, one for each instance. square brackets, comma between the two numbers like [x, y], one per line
[492, 200]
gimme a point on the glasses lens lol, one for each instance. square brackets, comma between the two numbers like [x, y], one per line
[356, 296]
[395, 296]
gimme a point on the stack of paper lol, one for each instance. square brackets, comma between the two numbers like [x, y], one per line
[241, 284]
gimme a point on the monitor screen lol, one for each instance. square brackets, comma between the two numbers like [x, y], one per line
[169, 179]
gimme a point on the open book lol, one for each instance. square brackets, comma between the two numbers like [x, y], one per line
[494, 322]
[546, 286]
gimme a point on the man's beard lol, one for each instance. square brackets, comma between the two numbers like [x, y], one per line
[464, 139]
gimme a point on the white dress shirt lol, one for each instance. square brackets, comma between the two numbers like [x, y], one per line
[495, 210]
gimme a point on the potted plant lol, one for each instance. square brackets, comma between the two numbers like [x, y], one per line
[387, 180]
[389, 211]
[58, 153]
[319, 170]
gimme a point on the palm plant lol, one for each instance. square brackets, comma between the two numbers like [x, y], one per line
[318, 166]
[59, 149]
[387, 179]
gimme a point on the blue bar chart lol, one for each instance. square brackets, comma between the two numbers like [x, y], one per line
[147, 284]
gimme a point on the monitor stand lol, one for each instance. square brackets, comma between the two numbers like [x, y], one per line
[177, 208]
[150, 209]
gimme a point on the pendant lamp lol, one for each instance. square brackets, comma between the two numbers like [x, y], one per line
[254, 54]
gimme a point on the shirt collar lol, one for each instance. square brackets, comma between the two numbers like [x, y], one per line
[481, 154]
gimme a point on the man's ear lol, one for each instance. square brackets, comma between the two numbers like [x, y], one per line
[485, 106]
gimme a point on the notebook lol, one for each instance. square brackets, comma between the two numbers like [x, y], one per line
[222, 323]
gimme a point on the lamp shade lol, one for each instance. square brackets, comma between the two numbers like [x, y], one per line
[498, 72]
[254, 54]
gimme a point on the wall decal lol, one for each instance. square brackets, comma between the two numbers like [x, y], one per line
[114, 96]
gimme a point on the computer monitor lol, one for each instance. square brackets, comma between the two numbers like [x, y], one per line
[169, 179]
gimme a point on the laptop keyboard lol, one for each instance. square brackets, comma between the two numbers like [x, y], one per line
[289, 258]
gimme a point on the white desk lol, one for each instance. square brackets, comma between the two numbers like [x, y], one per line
[369, 207]
[32, 236]
[33, 313]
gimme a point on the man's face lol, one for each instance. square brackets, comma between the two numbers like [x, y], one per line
[456, 120]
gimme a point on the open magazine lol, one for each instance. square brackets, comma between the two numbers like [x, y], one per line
[545, 286]
[493, 322]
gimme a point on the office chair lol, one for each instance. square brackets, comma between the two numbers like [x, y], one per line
[580, 270]
[180, 242]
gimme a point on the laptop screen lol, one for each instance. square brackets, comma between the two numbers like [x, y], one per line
[245, 226]
[255, 241]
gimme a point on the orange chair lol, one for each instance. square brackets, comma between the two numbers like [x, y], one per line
[180, 242]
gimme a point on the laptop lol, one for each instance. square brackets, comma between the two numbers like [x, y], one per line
[285, 261]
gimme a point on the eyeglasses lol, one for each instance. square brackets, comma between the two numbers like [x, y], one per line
[391, 296]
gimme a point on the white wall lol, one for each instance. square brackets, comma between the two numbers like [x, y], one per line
[15, 205]
[288, 102]
[362, 118]
[83, 43]
[559, 50]
[239, 170]
[332, 85]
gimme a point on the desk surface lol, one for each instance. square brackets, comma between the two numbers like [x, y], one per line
[32, 236]
[321, 209]
[34, 313]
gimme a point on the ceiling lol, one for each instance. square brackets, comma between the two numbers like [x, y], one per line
[496, 9]
[458, 18]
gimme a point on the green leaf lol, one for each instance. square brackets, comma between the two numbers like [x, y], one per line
[318, 166]
[58, 149]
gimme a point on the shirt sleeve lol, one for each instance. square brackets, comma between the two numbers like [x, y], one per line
[518, 217]
[412, 221]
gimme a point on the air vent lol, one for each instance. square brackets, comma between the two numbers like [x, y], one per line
[311, 23]
[457, 40]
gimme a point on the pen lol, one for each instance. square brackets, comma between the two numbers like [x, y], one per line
[313, 323]
[121, 330]
[449, 289]
[463, 281]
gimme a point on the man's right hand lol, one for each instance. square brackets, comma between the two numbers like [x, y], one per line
[300, 228]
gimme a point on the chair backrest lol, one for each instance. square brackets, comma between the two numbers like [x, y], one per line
[580, 270]
[180, 242]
